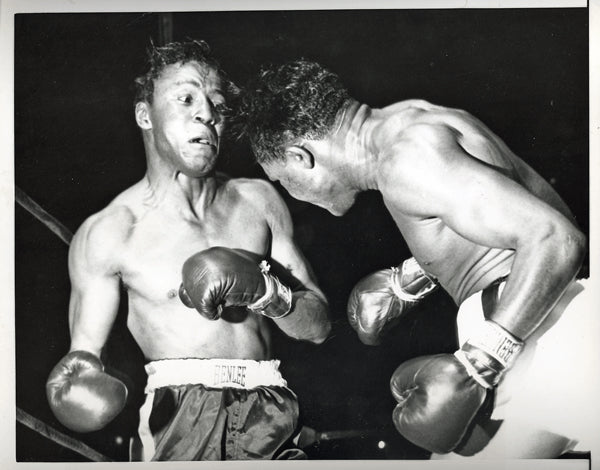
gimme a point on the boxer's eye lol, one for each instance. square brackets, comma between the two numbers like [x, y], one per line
[187, 99]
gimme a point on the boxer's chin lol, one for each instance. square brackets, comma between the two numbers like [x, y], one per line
[336, 211]
[200, 168]
[339, 208]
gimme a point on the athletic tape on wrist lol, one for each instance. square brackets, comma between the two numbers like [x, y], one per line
[409, 267]
[497, 342]
[272, 287]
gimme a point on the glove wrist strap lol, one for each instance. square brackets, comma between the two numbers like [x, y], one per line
[497, 343]
[277, 299]
[473, 372]
[488, 353]
[421, 283]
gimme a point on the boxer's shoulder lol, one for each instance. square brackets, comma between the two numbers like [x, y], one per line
[415, 149]
[255, 191]
[260, 200]
[103, 234]
[99, 240]
[415, 120]
[409, 105]
[415, 166]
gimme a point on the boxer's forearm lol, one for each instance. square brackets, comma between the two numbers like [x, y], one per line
[541, 271]
[308, 319]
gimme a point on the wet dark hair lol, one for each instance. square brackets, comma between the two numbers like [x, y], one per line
[283, 104]
[158, 58]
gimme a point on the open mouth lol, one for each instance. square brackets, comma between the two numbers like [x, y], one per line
[201, 141]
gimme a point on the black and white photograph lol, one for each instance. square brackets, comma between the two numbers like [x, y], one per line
[345, 232]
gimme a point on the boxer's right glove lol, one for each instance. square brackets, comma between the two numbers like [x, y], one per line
[438, 396]
[380, 299]
[224, 277]
[81, 395]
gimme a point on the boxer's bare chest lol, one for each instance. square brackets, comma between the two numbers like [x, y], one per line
[160, 242]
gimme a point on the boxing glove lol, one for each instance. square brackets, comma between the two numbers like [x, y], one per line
[223, 277]
[81, 395]
[439, 396]
[379, 300]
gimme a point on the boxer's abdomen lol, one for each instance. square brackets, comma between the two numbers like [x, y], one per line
[180, 332]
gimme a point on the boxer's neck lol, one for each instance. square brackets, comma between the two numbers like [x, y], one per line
[354, 139]
[169, 187]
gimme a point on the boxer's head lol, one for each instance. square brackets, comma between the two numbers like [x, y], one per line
[180, 105]
[289, 115]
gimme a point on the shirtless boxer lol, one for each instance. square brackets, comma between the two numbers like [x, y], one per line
[213, 392]
[480, 223]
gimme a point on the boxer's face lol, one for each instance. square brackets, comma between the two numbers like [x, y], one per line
[186, 118]
[308, 179]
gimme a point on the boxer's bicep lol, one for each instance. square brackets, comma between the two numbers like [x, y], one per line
[285, 251]
[94, 299]
[309, 317]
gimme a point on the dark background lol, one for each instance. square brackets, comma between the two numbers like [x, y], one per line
[523, 72]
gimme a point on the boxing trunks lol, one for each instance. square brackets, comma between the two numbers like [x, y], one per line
[553, 385]
[216, 409]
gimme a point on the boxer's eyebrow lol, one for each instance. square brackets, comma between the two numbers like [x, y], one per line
[192, 82]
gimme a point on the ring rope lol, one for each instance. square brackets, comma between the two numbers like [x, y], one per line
[38, 212]
[58, 437]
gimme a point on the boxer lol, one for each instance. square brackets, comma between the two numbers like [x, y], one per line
[480, 223]
[208, 263]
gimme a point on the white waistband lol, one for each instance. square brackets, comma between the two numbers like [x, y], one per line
[215, 373]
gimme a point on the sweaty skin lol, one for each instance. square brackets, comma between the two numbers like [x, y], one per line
[469, 209]
[143, 237]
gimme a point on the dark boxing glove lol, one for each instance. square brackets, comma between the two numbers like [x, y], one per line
[380, 299]
[81, 395]
[439, 396]
[223, 277]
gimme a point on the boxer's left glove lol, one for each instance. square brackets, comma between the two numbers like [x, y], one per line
[224, 277]
[439, 396]
[81, 395]
[380, 299]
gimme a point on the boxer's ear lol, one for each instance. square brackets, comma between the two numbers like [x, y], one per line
[300, 155]
[142, 115]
